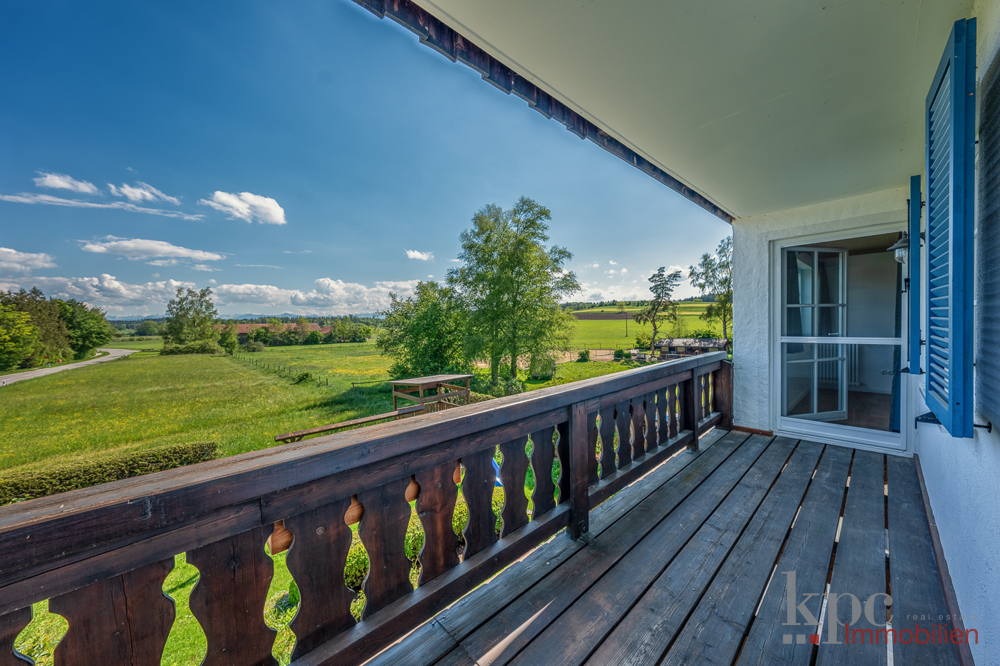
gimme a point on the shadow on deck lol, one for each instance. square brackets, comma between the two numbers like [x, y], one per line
[694, 564]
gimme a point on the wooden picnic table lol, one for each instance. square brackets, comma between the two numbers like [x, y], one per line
[435, 387]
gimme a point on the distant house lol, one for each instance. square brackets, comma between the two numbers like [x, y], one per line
[243, 330]
[690, 346]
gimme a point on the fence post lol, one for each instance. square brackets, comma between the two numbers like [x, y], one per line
[579, 500]
[722, 394]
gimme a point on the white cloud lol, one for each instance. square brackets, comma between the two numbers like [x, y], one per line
[611, 272]
[105, 291]
[455, 261]
[205, 268]
[49, 200]
[247, 206]
[596, 264]
[141, 192]
[12, 261]
[160, 253]
[60, 181]
[212, 282]
[422, 256]
[430, 277]
[624, 270]
[156, 275]
[328, 296]
[613, 263]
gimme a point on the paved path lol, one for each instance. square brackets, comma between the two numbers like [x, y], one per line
[31, 374]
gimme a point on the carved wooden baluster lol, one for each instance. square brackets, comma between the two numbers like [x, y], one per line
[120, 620]
[592, 433]
[663, 415]
[562, 452]
[607, 427]
[229, 599]
[542, 456]
[436, 508]
[12, 624]
[513, 471]
[624, 419]
[383, 532]
[638, 427]
[477, 489]
[316, 560]
[673, 398]
[650, 409]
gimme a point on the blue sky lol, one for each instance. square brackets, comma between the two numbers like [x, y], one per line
[305, 157]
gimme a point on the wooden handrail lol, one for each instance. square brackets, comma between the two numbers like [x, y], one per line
[83, 548]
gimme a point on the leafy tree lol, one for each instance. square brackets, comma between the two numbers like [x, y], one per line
[302, 329]
[260, 334]
[147, 327]
[190, 317]
[511, 285]
[228, 339]
[660, 307]
[714, 277]
[423, 334]
[276, 329]
[290, 337]
[17, 336]
[52, 342]
[86, 327]
[314, 338]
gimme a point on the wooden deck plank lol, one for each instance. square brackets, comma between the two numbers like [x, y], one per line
[713, 633]
[859, 567]
[660, 580]
[807, 553]
[520, 622]
[917, 596]
[430, 643]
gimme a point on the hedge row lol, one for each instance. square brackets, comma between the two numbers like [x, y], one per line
[58, 477]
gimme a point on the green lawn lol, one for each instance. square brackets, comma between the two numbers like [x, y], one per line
[144, 402]
[154, 343]
[610, 333]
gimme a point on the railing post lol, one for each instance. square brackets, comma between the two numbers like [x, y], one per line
[579, 518]
[723, 394]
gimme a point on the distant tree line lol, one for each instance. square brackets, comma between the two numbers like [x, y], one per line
[36, 331]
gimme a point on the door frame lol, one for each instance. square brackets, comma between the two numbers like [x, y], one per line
[817, 430]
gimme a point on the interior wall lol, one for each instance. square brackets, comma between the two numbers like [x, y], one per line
[871, 312]
[753, 238]
[963, 475]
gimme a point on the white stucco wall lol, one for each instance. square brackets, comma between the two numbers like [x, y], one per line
[752, 238]
[963, 475]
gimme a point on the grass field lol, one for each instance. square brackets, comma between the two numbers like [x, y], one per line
[155, 343]
[610, 333]
[145, 402]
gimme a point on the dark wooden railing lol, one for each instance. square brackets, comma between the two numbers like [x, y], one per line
[100, 555]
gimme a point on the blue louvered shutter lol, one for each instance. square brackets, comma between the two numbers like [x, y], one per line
[948, 325]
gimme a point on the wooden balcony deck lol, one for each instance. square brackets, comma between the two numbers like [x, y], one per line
[687, 566]
[651, 539]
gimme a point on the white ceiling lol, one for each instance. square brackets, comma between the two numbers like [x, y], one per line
[759, 105]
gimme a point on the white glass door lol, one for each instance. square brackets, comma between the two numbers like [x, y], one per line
[814, 304]
[840, 344]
